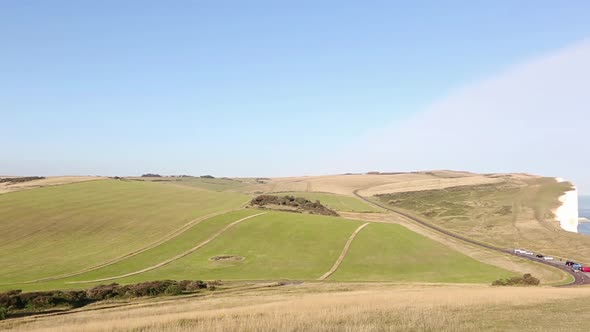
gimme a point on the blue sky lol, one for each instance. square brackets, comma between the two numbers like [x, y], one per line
[245, 88]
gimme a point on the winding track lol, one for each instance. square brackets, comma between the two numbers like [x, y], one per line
[343, 253]
[579, 277]
[170, 260]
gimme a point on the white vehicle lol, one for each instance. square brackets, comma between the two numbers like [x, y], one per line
[529, 253]
[519, 251]
[548, 258]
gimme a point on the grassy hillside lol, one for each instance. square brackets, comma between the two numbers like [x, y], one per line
[60, 229]
[184, 242]
[386, 252]
[508, 215]
[336, 202]
[274, 246]
[282, 245]
[222, 184]
[63, 229]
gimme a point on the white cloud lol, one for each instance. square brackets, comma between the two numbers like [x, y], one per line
[531, 118]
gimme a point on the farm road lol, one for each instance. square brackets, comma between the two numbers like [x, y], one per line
[343, 253]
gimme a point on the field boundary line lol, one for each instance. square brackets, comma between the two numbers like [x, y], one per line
[158, 242]
[175, 258]
[343, 253]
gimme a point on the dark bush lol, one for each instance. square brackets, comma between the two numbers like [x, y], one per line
[151, 175]
[207, 177]
[21, 179]
[103, 292]
[525, 280]
[150, 288]
[173, 290]
[16, 300]
[300, 203]
[196, 285]
[3, 312]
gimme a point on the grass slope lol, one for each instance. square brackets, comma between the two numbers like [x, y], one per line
[222, 184]
[335, 202]
[390, 252]
[62, 229]
[277, 245]
[507, 215]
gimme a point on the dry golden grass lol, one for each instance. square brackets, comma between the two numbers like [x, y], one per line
[49, 181]
[429, 184]
[372, 184]
[341, 307]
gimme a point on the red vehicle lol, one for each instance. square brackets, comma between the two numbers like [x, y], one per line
[585, 269]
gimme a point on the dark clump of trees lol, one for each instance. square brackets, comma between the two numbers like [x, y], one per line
[15, 300]
[526, 280]
[207, 177]
[21, 179]
[300, 204]
[151, 175]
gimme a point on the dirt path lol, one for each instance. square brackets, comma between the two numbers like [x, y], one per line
[158, 242]
[579, 278]
[343, 253]
[177, 257]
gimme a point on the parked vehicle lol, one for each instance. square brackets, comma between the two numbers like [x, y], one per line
[576, 267]
[569, 263]
[585, 269]
[548, 258]
[529, 253]
[539, 256]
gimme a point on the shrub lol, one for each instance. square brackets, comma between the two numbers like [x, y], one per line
[525, 280]
[173, 290]
[151, 175]
[103, 292]
[16, 300]
[3, 312]
[150, 288]
[196, 285]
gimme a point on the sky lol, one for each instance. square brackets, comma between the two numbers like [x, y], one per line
[277, 88]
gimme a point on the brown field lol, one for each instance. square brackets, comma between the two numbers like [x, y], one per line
[429, 184]
[49, 181]
[373, 184]
[337, 307]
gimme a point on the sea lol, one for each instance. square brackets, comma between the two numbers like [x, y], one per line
[584, 212]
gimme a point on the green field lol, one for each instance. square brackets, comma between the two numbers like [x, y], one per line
[277, 245]
[60, 229]
[221, 184]
[65, 229]
[386, 252]
[335, 202]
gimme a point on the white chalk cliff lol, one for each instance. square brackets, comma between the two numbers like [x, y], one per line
[567, 214]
